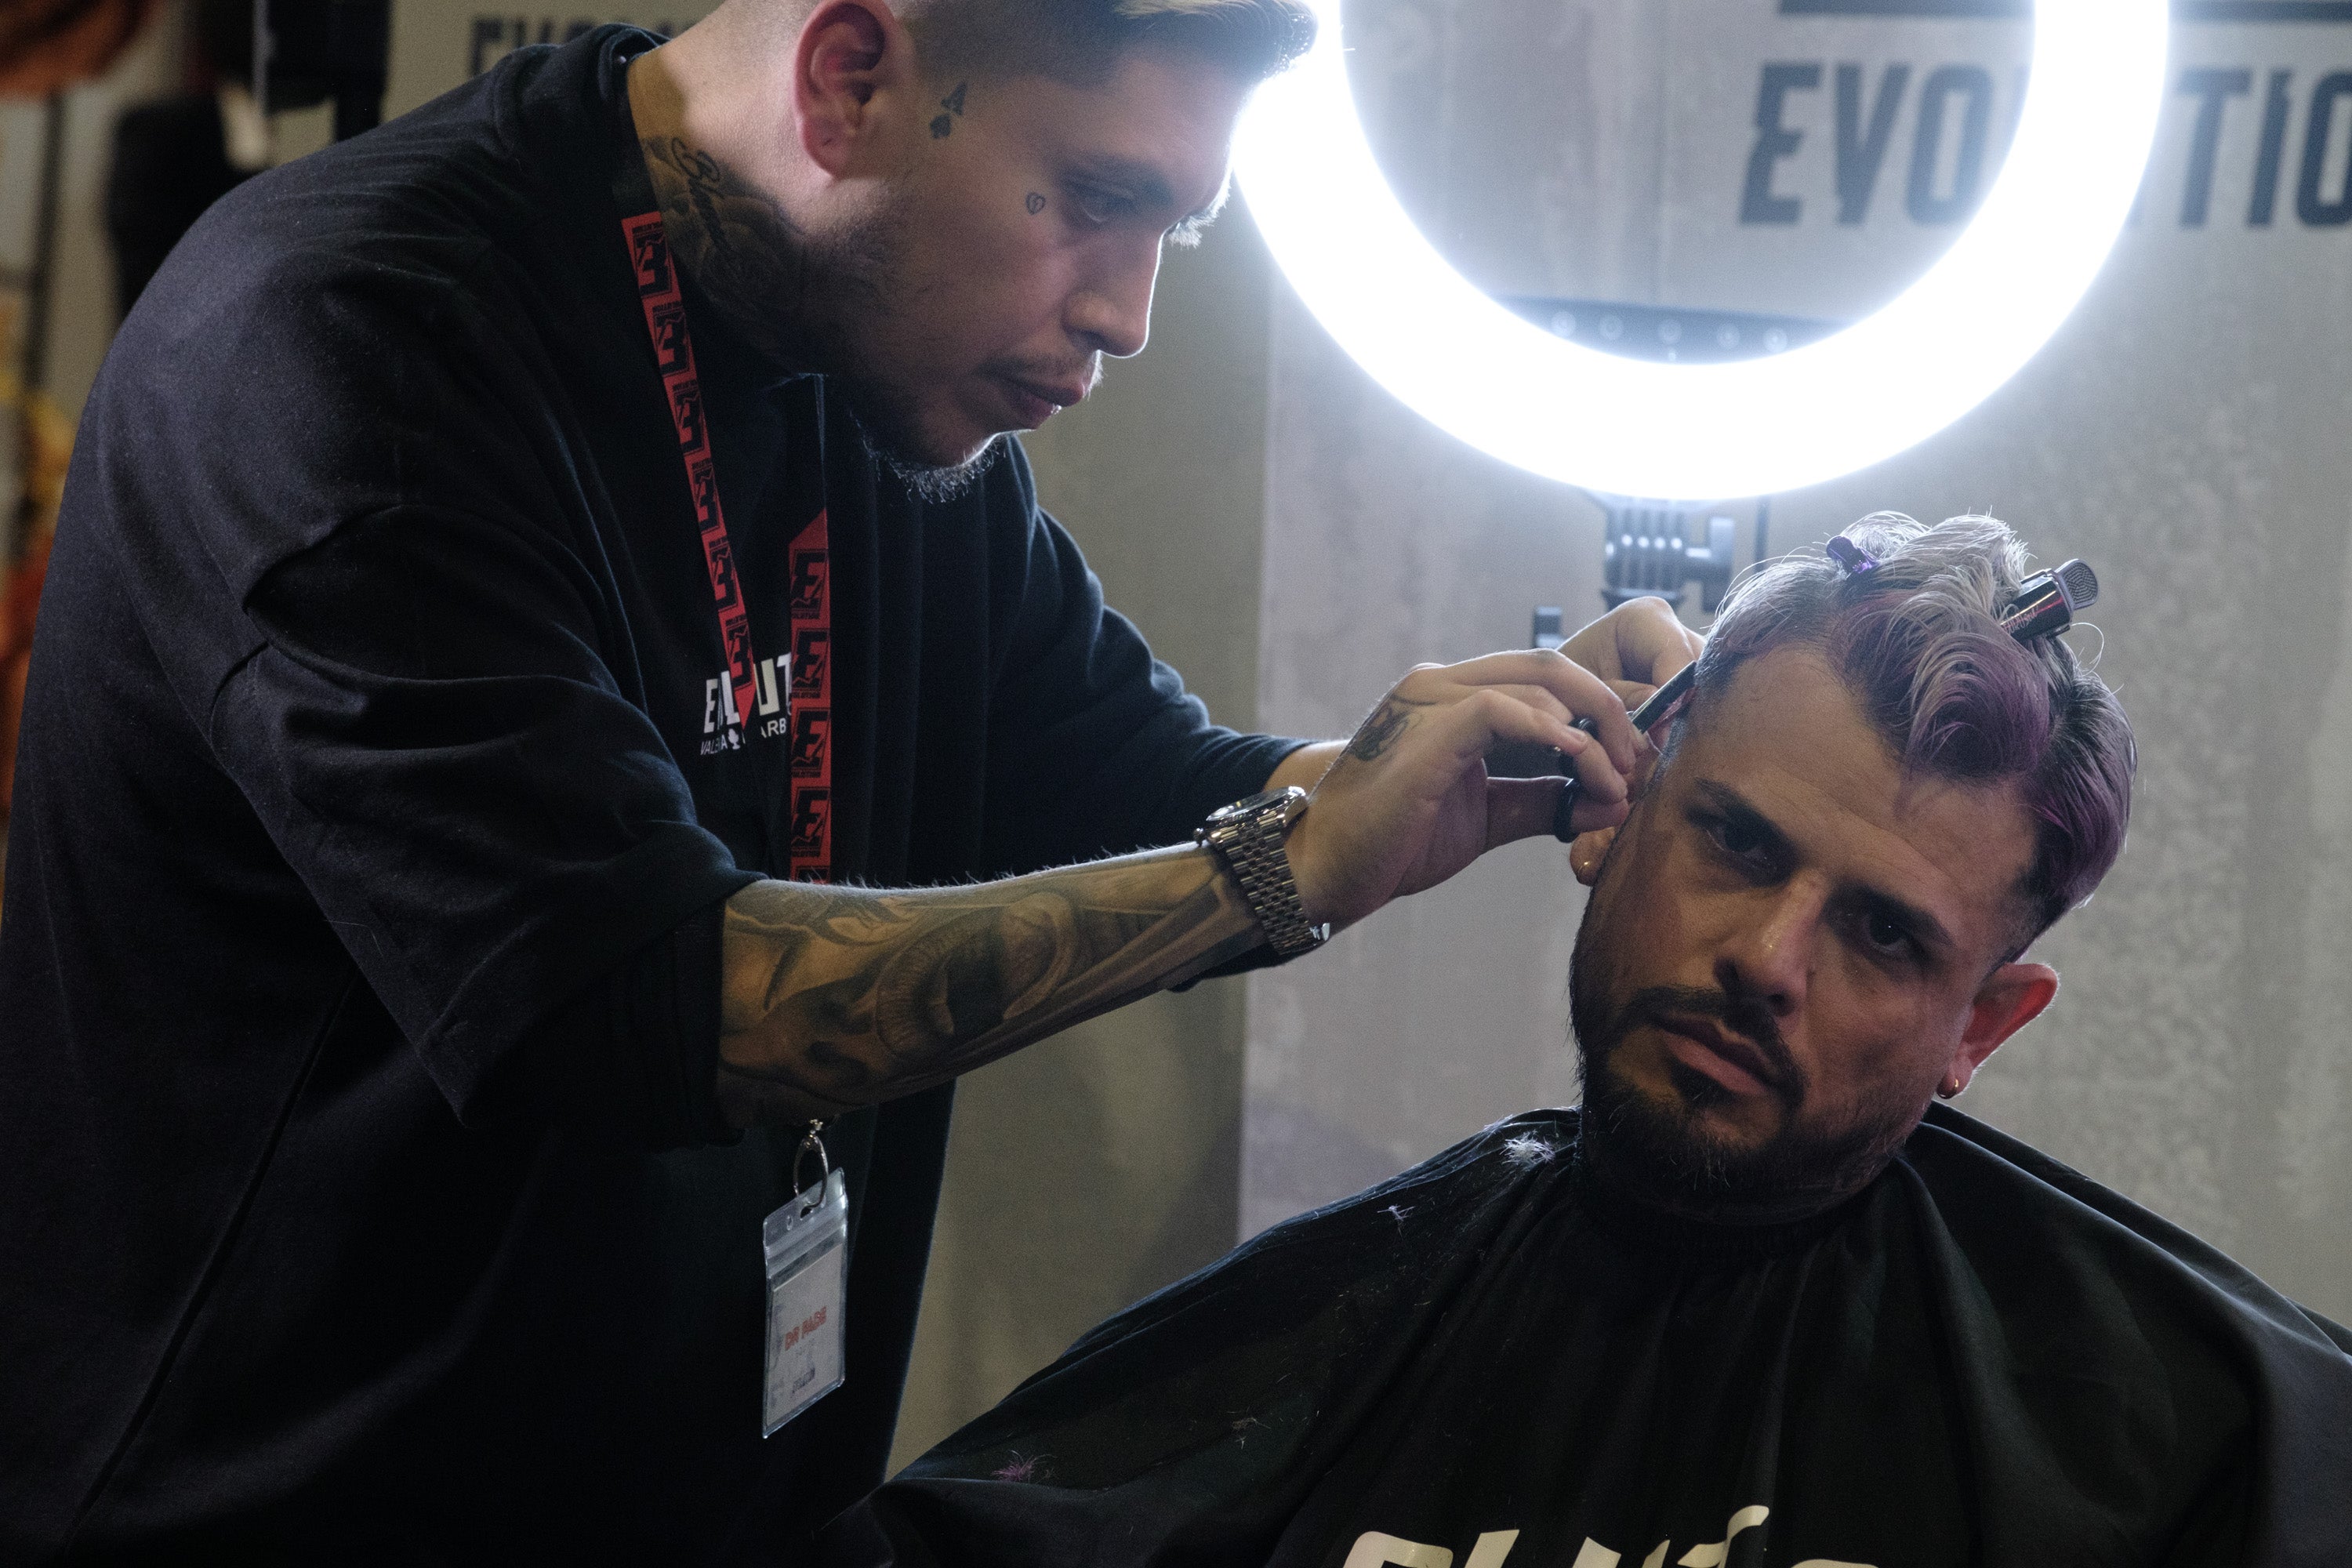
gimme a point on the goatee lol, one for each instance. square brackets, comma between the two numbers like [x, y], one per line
[934, 484]
[1659, 1148]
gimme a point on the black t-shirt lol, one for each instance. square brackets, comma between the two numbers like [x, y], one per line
[1494, 1362]
[369, 728]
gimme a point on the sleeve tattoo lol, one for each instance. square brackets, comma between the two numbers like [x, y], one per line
[833, 998]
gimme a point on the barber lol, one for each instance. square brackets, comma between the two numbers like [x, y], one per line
[533, 580]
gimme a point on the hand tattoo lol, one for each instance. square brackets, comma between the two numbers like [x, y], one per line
[835, 998]
[1378, 732]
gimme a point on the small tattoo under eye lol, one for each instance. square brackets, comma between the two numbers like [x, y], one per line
[1035, 204]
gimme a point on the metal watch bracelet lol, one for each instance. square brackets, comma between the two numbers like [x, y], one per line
[1248, 836]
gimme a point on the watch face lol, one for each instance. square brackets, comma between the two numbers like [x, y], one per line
[1243, 807]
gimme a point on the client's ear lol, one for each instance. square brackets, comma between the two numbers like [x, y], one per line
[1585, 855]
[2012, 996]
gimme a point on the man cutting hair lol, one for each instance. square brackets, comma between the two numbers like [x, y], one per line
[551, 683]
[1759, 1300]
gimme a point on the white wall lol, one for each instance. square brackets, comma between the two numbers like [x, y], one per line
[2184, 432]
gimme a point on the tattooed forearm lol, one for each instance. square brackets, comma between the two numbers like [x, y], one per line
[1380, 731]
[835, 998]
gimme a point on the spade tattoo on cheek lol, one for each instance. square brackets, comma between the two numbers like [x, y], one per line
[953, 104]
[1035, 204]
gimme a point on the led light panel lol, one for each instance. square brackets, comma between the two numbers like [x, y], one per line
[1755, 426]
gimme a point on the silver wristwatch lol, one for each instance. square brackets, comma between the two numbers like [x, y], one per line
[1248, 836]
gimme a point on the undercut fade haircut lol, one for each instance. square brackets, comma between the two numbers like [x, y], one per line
[1918, 643]
[1082, 41]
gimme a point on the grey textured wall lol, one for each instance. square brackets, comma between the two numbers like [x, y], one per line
[1094, 1168]
[2184, 432]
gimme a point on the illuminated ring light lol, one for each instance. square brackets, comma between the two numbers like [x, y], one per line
[1695, 432]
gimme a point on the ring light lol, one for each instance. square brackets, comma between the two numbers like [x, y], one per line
[1634, 427]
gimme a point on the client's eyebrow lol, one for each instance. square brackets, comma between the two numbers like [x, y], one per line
[1925, 928]
[1737, 810]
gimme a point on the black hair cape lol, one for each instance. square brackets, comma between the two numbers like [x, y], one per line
[1494, 1362]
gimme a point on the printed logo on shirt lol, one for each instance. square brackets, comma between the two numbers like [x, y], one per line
[771, 708]
[1374, 1549]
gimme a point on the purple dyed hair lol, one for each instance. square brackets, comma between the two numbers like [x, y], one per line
[1953, 695]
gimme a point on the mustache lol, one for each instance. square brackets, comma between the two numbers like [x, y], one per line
[1747, 1016]
[1051, 372]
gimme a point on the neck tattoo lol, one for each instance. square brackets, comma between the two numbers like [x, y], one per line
[735, 241]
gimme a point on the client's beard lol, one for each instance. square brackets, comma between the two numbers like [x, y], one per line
[1659, 1150]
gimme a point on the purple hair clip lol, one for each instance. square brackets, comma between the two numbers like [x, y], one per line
[1852, 558]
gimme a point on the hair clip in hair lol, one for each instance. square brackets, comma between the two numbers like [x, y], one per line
[1852, 558]
[2047, 603]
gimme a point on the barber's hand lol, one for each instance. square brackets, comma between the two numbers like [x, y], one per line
[1637, 648]
[1407, 802]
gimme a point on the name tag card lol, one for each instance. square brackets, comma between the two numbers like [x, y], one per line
[808, 1243]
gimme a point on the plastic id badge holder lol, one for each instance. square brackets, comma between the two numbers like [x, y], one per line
[807, 1242]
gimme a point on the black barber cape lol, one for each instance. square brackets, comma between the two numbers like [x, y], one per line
[1489, 1363]
[371, 727]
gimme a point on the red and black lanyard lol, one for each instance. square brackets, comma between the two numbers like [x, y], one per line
[800, 682]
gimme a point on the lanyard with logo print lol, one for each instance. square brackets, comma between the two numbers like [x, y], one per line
[805, 1241]
[793, 693]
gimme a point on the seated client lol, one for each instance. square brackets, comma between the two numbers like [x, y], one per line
[1759, 1301]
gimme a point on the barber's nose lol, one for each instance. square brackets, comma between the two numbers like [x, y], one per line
[1769, 953]
[1113, 315]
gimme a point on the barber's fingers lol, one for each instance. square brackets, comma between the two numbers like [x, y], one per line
[1524, 808]
[1470, 727]
[1538, 698]
[1491, 714]
[1640, 640]
[1579, 690]
[1632, 693]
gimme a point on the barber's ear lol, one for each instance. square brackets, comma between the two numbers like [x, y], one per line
[1585, 855]
[849, 53]
[2011, 997]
